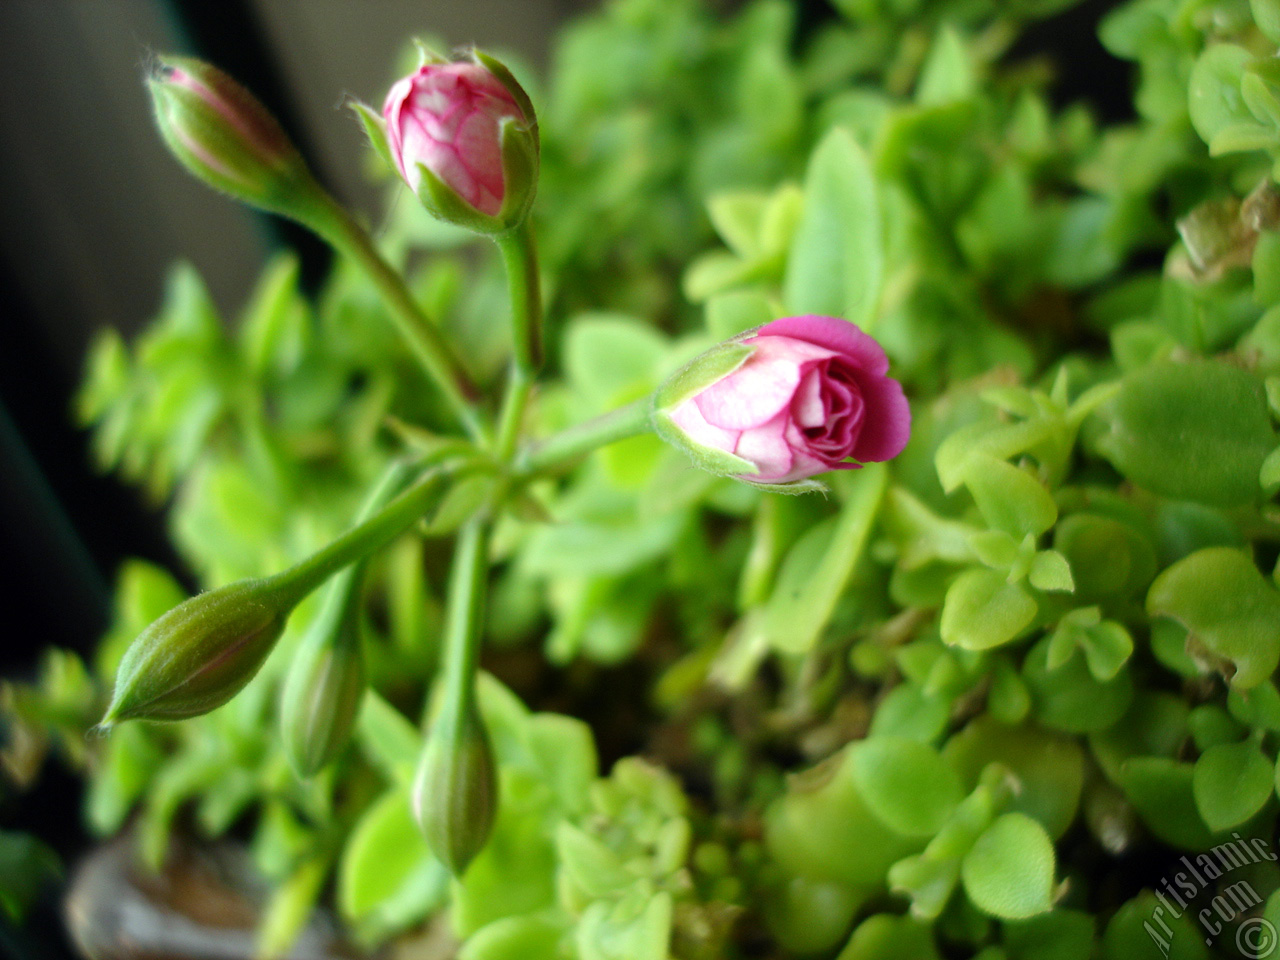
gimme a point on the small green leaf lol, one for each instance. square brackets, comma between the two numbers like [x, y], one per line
[836, 258]
[1009, 871]
[1230, 609]
[1214, 96]
[809, 586]
[387, 878]
[1010, 499]
[983, 610]
[1231, 782]
[1050, 571]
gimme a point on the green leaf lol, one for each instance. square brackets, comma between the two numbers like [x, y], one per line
[1009, 871]
[948, 74]
[1258, 708]
[729, 314]
[26, 866]
[515, 938]
[1132, 934]
[1050, 571]
[815, 573]
[1009, 499]
[390, 741]
[609, 355]
[906, 784]
[983, 610]
[1070, 698]
[1214, 96]
[1193, 431]
[887, 937]
[1230, 609]
[1266, 14]
[1049, 768]
[388, 879]
[290, 907]
[736, 216]
[1231, 782]
[836, 258]
[1060, 935]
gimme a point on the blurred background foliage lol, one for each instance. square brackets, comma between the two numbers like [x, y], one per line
[976, 702]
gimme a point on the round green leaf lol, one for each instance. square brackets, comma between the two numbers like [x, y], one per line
[906, 784]
[1214, 96]
[1009, 499]
[1231, 782]
[1229, 608]
[1009, 871]
[1070, 698]
[983, 610]
[1191, 431]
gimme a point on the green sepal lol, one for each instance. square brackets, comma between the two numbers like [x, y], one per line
[427, 55]
[326, 681]
[519, 146]
[376, 130]
[701, 372]
[791, 488]
[705, 458]
[455, 789]
[444, 204]
[505, 77]
[201, 653]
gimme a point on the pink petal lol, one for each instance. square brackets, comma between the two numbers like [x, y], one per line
[886, 425]
[766, 446]
[839, 336]
[810, 406]
[689, 419]
[762, 387]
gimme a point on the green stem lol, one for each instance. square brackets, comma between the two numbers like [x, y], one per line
[520, 257]
[513, 404]
[371, 534]
[428, 346]
[570, 445]
[464, 617]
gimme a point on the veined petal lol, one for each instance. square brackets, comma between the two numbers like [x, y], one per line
[836, 335]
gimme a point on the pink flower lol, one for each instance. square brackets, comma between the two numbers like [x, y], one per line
[448, 117]
[813, 394]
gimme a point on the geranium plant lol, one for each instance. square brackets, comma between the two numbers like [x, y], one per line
[508, 629]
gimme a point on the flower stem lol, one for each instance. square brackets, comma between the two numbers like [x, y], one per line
[464, 617]
[518, 387]
[372, 533]
[520, 257]
[569, 445]
[346, 236]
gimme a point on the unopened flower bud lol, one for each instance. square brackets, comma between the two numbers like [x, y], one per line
[201, 653]
[794, 398]
[226, 138]
[326, 680]
[455, 791]
[465, 139]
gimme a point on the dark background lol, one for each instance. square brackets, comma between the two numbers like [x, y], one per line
[93, 212]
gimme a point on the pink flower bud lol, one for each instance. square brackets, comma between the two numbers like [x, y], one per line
[813, 395]
[224, 136]
[450, 119]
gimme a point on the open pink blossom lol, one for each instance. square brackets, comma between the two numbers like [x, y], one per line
[448, 117]
[814, 396]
